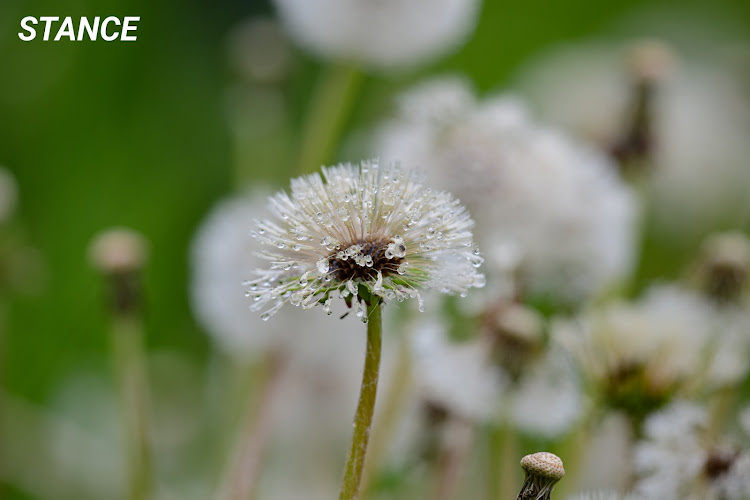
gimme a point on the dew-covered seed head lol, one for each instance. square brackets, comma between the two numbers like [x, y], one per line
[542, 470]
[362, 231]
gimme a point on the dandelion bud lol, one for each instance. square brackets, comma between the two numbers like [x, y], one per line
[119, 254]
[118, 250]
[723, 266]
[543, 471]
[651, 61]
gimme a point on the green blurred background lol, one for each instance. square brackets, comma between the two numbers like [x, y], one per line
[101, 134]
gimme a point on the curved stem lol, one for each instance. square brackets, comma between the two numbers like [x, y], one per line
[331, 101]
[355, 461]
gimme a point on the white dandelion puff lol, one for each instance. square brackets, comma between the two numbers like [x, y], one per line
[543, 202]
[381, 34]
[359, 231]
[680, 458]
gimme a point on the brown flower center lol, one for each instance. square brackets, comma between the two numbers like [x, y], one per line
[362, 260]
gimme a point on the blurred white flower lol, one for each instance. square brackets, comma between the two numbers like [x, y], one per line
[641, 351]
[539, 197]
[679, 459]
[700, 123]
[547, 400]
[455, 376]
[358, 232]
[379, 33]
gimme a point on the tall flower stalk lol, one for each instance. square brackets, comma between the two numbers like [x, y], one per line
[355, 461]
[119, 254]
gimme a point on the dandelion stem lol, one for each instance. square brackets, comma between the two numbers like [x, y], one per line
[387, 418]
[127, 339]
[355, 461]
[330, 104]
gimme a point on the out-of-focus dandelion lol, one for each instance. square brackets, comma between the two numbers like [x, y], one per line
[722, 270]
[367, 235]
[680, 459]
[543, 470]
[455, 376]
[120, 254]
[637, 356]
[539, 197]
[695, 110]
[383, 34]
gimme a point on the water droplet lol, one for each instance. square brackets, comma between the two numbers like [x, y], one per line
[265, 316]
[323, 265]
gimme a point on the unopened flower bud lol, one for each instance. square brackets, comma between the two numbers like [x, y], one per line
[118, 250]
[723, 266]
[120, 254]
[651, 61]
[543, 471]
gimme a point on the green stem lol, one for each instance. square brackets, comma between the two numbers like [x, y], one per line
[127, 338]
[355, 461]
[387, 418]
[331, 102]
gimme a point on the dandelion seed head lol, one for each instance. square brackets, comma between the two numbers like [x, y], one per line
[680, 458]
[382, 34]
[699, 174]
[358, 231]
[641, 351]
[549, 209]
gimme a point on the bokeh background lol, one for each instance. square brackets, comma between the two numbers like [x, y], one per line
[139, 135]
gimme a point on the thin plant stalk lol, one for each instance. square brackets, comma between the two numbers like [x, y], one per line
[330, 105]
[127, 339]
[241, 477]
[503, 450]
[388, 417]
[355, 460]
